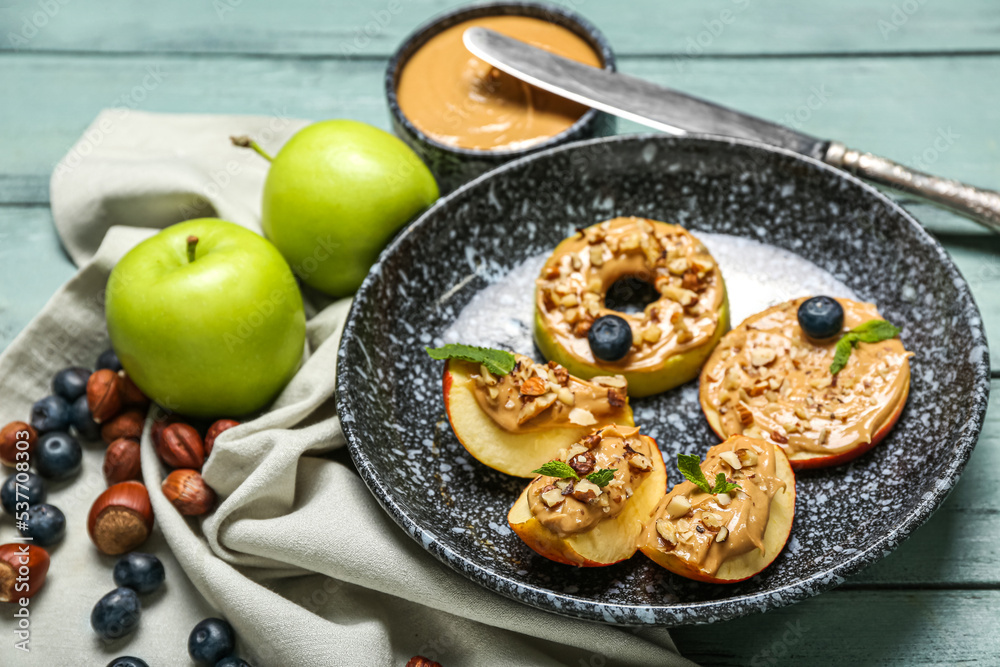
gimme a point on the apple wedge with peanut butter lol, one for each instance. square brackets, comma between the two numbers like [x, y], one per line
[589, 506]
[513, 414]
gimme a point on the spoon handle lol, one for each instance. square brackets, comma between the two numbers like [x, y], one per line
[982, 206]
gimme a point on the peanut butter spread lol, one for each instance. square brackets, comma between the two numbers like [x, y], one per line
[535, 397]
[458, 100]
[767, 379]
[566, 506]
[706, 530]
[570, 293]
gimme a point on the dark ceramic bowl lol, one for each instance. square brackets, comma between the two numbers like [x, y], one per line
[454, 166]
[778, 224]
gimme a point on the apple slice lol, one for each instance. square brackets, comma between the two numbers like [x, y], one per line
[745, 560]
[513, 453]
[609, 540]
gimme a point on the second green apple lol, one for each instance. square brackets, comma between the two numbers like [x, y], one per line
[335, 194]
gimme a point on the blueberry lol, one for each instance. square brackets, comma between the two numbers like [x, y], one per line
[127, 661]
[821, 317]
[116, 614]
[81, 420]
[45, 524]
[610, 338]
[211, 641]
[232, 661]
[31, 487]
[71, 383]
[50, 414]
[141, 572]
[109, 359]
[57, 455]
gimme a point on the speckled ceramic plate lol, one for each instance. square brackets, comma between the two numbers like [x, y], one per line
[780, 226]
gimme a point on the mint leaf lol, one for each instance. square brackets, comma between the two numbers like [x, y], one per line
[722, 486]
[875, 331]
[843, 352]
[602, 477]
[690, 467]
[557, 469]
[497, 362]
[872, 331]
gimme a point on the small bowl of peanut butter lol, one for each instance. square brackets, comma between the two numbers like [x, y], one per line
[465, 117]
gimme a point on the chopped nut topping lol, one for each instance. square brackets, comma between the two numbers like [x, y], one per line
[748, 457]
[610, 381]
[616, 398]
[723, 534]
[586, 490]
[533, 386]
[731, 459]
[666, 530]
[711, 519]
[723, 499]
[583, 464]
[762, 356]
[678, 506]
[652, 333]
[746, 417]
[639, 461]
[552, 497]
[581, 416]
[566, 396]
[536, 407]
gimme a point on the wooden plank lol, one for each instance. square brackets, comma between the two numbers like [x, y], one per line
[32, 266]
[681, 28]
[856, 628]
[957, 546]
[932, 112]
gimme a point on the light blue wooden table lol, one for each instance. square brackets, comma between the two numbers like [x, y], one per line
[915, 80]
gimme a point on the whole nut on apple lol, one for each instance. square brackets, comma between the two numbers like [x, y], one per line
[132, 396]
[104, 395]
[180, 446]
[215, 430]
[188, 492]
[121, 518]
[121, 461]
[126, 425]
[14, 583]
[16, 437]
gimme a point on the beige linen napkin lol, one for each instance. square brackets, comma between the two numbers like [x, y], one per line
[298, 556]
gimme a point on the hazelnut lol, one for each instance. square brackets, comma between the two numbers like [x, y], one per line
[126, 425]
[104, 395]
[159, 424]
[13, 557]
[180, 446]
[121, 461]
[16, 437]
[215, 430]
[188, 492]
[421, 661]
[131, 395]
[121, 518]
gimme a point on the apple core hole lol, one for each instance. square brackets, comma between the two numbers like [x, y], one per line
[630, 294]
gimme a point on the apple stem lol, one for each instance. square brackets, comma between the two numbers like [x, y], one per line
[246, 142]
[192, 242]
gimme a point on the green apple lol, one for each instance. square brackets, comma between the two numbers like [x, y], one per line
[206, 318]
[335, 194]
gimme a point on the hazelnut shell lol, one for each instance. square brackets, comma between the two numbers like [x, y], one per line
[180, 446]
[9, 438]
[122, 462]
[12, 558]
[188, 492]
[104, 395]
[121, 518]
[126, 425]
[215, 430]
